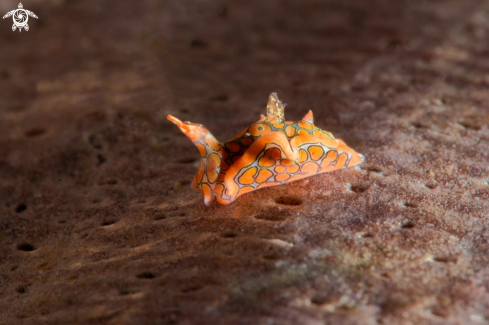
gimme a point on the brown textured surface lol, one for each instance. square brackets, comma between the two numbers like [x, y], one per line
[98, 224]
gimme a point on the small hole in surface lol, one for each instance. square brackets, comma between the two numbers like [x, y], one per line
[198, 43]
[185, 182]
[124, 292]
[21, 289]
[160, 217]
[108, 222]
[26, 247]
[229, 235]
[192, 288]
[410, 205]
[21, 208]
[445, 259]
[270, 217]
[371, 168]
[438, 312]
[359, 188]
[146, 275]
[95, 141]
[365, 235]
[101, 159]
[473, 125]
[42, 265]
[35, 132]
[16, 107]
[223, 12]
[271, 257]
[406, 224]
[288, 200]
[420, 125]
[219, 98]
[318, 300]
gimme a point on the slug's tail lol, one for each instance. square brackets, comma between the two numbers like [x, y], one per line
[355, 159]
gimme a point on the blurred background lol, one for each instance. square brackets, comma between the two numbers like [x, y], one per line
[98, 224]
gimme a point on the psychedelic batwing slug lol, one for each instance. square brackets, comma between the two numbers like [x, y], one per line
[269, 152]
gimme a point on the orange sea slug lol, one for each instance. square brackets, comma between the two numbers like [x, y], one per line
[269, 152]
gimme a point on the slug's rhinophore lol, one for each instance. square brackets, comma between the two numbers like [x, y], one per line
[269, 152]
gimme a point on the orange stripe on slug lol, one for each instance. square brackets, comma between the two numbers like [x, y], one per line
[282, 177]
[266, 161]
[290, 131]
[268, 184]
[297, 177]
[221, 176]
[342, 160]
[330, 168]
[201, 149]
[280, 169]
[247, 177]
[246, 141]
[316, 152]
[208, 195]
[302, 156]
[244, 190]
[219, 189]
[200, 173]
[224, 154]
[224, 166]
[293, 169]
[233, 146]
[286, 162]
[274, 153]
[263, 175]
[305, 125]
[332, 154]
[213, 162]
[329, 159]
[309, 168]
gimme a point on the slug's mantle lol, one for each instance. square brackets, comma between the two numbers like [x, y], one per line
[269, 152]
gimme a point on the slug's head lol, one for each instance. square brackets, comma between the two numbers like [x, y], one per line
[196, 132]
[192, 130]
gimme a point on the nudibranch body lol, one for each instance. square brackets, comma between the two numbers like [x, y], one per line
[269, 152]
